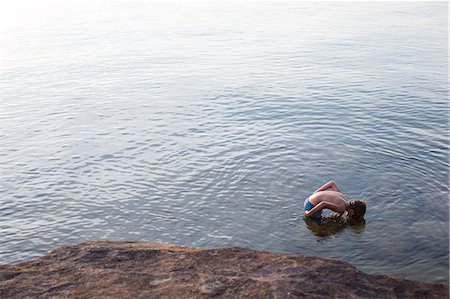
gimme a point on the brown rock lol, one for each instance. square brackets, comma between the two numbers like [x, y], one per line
[102, 269]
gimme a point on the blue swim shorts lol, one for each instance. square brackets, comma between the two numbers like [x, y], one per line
[307, 206]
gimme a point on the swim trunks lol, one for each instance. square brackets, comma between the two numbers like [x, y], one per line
[307, 206]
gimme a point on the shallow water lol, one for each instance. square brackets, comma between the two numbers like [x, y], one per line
[209, 124]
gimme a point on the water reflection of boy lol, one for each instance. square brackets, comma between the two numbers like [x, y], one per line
[329, 226]
[326, 226]
[334, 200]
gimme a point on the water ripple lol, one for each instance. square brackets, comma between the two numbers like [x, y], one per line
[119, 124]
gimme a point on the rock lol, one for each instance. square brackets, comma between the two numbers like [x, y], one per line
[102, 269]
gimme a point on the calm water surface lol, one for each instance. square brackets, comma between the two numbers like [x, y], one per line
[208, 124]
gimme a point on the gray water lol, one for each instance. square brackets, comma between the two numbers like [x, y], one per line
[208, 124]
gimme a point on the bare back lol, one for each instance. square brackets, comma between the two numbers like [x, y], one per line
[334, 197]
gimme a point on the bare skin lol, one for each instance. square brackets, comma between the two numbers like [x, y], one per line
[333, 199]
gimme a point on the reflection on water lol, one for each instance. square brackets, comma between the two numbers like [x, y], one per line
[208, 125]
[329, 226]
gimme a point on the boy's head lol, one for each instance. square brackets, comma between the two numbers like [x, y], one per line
[358, 207]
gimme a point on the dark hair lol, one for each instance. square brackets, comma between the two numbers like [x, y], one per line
[359, 207]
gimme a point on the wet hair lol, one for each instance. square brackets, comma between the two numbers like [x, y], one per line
[359, 207]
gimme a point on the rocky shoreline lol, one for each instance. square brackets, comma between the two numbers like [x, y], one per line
[103, 269]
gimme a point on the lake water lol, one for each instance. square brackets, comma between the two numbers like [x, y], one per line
[208, 124]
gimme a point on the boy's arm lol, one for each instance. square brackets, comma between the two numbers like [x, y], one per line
[324, 205]
[330, 184]
[319, 207]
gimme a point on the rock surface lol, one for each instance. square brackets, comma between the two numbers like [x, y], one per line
[102, 269]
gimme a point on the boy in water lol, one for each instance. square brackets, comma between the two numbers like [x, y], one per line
[334, 200]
